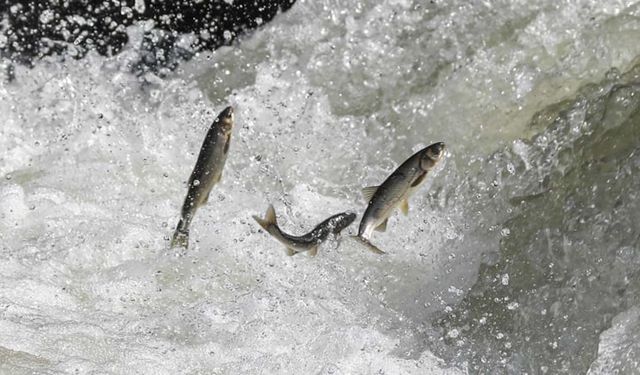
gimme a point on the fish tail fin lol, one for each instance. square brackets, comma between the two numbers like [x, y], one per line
[371, 247]
[180, 239]
[269, 218]
[180, 236]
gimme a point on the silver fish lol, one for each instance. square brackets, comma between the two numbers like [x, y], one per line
[206, 173]
[395, 191]
[310, 241]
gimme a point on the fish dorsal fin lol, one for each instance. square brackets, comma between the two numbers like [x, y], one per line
[404, 207]
[419, 180]
[382, 227]
[269, 218]
[290, 252]
[368, 192]
[314, 251]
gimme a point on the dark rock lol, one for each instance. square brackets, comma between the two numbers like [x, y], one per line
[31, 29]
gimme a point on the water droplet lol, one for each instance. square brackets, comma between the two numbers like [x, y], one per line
[505, 279]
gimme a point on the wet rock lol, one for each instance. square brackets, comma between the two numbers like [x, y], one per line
[34, 29]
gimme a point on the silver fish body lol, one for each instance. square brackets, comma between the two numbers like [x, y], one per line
[395, 191]
[308, 242]
[206, 173]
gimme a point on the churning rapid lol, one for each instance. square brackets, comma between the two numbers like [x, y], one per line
[520, 252]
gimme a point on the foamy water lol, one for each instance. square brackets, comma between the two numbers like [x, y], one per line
[519, 254]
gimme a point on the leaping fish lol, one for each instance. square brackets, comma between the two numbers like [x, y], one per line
[310, 241]
[206, 173]
[395, 191]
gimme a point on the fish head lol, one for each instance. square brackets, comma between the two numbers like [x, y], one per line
[225, 118]
[431, 155]
[341, 221]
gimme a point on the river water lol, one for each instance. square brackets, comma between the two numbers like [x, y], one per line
[521, 254]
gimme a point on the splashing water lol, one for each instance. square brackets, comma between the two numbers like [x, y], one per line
[520, 253]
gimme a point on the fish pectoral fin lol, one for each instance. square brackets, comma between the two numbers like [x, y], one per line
[226, 145]
[382, 227]
[206, 199]
[404, 207]
[290, 252]
[368, 192]
[269, 218]
[419, 180]
[314, 251]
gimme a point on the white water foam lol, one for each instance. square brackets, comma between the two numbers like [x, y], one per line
[330, 97]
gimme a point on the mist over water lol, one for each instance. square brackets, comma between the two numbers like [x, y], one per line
[519, 254]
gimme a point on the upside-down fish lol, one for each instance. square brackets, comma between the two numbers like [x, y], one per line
[307, 242]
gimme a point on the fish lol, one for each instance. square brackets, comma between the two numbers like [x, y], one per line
[395, 191]
[308, 242]
[206, 173]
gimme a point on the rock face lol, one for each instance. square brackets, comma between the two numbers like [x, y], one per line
[30, 30]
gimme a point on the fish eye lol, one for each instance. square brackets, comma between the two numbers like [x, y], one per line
[436, 150]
